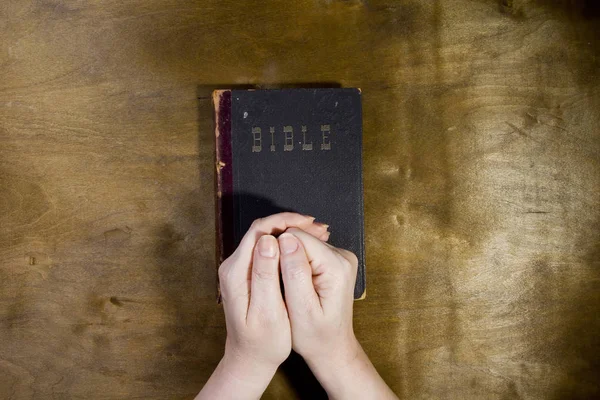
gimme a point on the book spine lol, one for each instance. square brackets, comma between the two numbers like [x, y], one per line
[223, 177]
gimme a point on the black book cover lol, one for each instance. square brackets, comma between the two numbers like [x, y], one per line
[290, 150]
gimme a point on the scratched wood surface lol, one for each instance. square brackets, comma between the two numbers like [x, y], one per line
[482, 177]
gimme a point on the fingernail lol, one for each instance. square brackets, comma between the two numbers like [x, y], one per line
[267, 246]
[288, 243]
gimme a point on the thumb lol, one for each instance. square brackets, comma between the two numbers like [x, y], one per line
[300, 295]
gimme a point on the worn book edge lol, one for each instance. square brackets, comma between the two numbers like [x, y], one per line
[223, 175]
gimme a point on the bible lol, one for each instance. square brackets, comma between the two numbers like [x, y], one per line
[294, 150]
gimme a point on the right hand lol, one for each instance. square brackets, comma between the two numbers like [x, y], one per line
[319, 284]
[319, 293]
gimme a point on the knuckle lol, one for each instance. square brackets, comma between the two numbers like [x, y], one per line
[262, 273]
[256, 223]
[225, 268]
[346, 263]
[294, 230]
[225, 276]
[223, 272]
[349, 259]
[295, 271]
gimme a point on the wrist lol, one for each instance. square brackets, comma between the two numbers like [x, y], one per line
[247, 370]
[337, 356]
[336, 359]
[237, 378]
[338, 371]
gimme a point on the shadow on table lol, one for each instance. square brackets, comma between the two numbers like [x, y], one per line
[301, 379]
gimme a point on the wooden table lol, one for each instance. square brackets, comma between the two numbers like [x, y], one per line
[482, 189]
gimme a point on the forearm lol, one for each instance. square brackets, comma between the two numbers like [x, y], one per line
[352, 376]
[236, 380]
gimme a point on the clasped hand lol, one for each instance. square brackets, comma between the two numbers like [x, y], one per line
[313, 316]
[316, 317]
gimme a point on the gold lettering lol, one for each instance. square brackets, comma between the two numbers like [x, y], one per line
[305, 146]
[325, 130]
[272, 131]
[257, 143]
[288, 144]
[289, 138]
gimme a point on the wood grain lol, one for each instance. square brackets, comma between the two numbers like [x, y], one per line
[482, 189]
